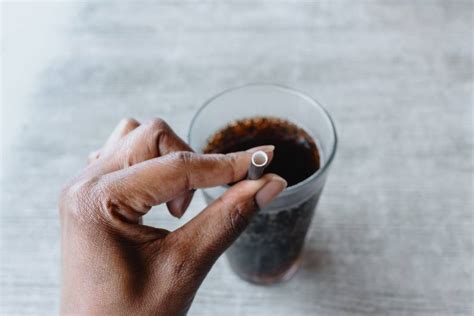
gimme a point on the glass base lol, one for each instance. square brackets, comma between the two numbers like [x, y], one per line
[267, 280]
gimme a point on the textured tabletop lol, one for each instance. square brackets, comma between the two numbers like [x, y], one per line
[393, 233]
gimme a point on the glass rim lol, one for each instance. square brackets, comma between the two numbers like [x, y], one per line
[313, 101]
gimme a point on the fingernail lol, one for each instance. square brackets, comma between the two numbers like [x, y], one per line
[265, 148]
[269, 191]
[184, 203]
[180, 204]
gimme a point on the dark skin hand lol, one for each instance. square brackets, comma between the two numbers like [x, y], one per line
[114, 265]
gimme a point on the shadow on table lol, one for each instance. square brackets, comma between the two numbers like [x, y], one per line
[316, 260]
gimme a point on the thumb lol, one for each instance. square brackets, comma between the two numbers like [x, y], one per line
[217, 226]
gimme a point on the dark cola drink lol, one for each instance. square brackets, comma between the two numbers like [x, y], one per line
[269, 249]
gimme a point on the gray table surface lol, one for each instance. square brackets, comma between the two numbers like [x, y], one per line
[393, 230]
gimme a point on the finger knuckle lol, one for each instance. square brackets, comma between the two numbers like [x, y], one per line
[182, 157]
[183, 161]
[129, 122]
[158, 130]
[93, 155]
[158, 124]
[78, 197]
[232, 168]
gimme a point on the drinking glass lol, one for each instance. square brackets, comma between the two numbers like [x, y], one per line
[269, 250]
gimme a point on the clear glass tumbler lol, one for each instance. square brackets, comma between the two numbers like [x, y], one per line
[269, 249]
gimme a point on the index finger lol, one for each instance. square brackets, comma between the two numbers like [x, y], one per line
[159, 180]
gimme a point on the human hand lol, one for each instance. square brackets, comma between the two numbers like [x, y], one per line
[113, 265]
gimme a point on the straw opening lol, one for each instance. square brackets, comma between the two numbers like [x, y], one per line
[259, 159]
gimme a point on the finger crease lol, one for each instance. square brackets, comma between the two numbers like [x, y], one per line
[188, 183]
[238, 221]
[232, 168]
